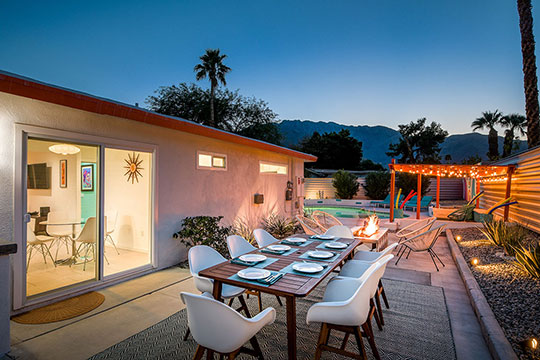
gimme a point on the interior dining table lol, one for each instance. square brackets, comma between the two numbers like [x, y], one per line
[73, 258]
[292, 285]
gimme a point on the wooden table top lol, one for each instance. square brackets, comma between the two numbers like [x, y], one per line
[289, 284]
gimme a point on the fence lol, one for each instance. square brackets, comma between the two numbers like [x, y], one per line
[525, 189]
[321, 188]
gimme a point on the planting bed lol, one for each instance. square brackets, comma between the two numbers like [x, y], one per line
[513, 295]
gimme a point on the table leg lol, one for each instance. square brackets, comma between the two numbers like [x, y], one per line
[291, 326]
[216, 292]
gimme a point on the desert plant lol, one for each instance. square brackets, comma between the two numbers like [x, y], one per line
[494, 231]
[345, 184]
[204, 230]
[242, 227]
[504, 235]
[279, 226]
[377, 185]
[528, 260]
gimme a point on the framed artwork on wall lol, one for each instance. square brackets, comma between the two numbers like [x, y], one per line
[63, 173]
[87, 177]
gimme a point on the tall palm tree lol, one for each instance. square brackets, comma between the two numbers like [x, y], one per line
[488, 120]
[530, 80]
[212, 66]
[513, 123]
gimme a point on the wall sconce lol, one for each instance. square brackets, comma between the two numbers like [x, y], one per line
[258, 198]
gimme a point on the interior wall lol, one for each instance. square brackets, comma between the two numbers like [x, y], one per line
[130, 200]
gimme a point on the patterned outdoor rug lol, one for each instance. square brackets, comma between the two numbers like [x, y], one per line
[417, 327]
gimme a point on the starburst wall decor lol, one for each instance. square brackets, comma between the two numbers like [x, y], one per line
[133, 167]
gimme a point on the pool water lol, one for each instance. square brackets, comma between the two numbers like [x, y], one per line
[346, 211]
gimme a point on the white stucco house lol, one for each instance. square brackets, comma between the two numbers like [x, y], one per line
[75, 167]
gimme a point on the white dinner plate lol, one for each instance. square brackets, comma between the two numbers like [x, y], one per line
[279, 247]
[252, 257]
[320, 254]
[336, 245]
[296, 240]
[325, 237]
[309, 268]
[253, 273]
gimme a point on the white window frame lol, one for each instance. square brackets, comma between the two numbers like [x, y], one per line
[212, 154]
[261, 162]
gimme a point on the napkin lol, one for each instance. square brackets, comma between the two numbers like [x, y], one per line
[237, 261]
[271, 279]
[276, 252]
[285, 242]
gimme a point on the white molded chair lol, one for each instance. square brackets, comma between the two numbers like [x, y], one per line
[310, 226]
[341, 231]
[356, 269]
[110, 220]
[263, 238]
[62, 233]
[238, 246]
[88, 240]
[345, 307]
[374, 256]
[38, 242]
[218, 328]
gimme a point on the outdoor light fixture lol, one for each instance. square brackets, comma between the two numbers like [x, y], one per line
[458, 238]
[64, 149]
[531, 344]
[475, 261]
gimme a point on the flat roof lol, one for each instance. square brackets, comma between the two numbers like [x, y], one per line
[19, 85]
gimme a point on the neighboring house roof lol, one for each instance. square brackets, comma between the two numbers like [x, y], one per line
[33, 89]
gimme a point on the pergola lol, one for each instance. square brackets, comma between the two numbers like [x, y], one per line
[481, 173]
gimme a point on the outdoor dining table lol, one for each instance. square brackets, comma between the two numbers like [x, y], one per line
[73, 258]
[290, 286]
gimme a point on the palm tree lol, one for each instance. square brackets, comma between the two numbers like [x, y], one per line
[529, 72]
[514, 122]
[212, 66]
[488, 120]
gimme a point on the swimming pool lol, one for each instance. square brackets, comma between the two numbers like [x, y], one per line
[346, 211]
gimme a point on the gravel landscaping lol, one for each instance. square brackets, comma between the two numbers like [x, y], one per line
[513, 296]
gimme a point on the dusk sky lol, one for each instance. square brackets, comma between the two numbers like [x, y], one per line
[352, 62]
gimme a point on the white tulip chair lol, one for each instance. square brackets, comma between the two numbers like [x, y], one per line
[341, 231]
[218, 328]
[39, 243]
[239, 246]
[263, 238]
[374, 256]
[356, 269]
[345, 307]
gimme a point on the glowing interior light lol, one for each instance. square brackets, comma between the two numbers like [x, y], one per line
[64, 149]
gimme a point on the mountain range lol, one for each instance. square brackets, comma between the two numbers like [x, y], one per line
[376, 139]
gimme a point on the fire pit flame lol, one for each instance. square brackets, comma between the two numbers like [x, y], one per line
[371, 226]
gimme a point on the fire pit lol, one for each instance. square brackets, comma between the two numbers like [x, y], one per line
[370, 233]
[370, 227]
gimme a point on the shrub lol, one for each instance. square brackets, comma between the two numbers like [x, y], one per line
[377, 185]
[504, 235]
[408, 182]
[204, 230]
[242, 227]
[279, 226]
[528, 260]
[345, 184]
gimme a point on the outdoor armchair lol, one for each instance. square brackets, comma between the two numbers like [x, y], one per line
[424, 241]
[218, 328]
[310, 226]
[325, 220]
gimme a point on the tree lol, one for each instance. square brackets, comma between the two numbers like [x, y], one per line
[367, 164]
[419, 143]
[488, 120]
[333, 150]
[212, 66]
[530, 81]
[233, 112]
[268, 132]
[514, 122]
[407, 182]
[377, 185]
[346, 184]
[472, 160]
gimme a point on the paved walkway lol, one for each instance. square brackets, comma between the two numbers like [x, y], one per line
[135, 305]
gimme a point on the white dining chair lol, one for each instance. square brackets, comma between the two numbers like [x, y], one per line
[356, 269]
[62, 233]
[239, 246]
[341, 231]
[345, 307]
[39, 243]
[87, 240]
[218, 328]
[110, 220]
[374, 256]
[263, 238]
[201, 257]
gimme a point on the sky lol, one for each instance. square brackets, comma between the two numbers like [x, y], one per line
[358, 62]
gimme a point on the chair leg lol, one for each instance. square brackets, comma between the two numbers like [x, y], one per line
[323, 338]
[199, 353]
[371, 339]
[373, 310]
[29, 257]
[256, 347]
[244, 305]
[384, 296]
[437, 256]
[279, 301]
[209, 354]
[433, 259]
[379, 308]
[401, 255]
[231, 301]
[409, 253]
[109, 237]
[42, 251]
[345, 341]
[50, 255]
[259, 297]
[186, 335]
[359, 342]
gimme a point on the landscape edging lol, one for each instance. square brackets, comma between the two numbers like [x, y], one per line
[498, 345]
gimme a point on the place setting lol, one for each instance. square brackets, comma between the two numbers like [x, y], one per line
[278, 249]
[323, 237]
[259, 276]
[333, 245]
[295, 241]
[253, 260]
[320, 255]
[306, 268]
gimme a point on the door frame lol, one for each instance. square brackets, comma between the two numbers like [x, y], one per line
[22, 133]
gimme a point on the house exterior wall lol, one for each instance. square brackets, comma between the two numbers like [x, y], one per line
[181, 189]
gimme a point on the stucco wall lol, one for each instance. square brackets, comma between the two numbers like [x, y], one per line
[181, 189]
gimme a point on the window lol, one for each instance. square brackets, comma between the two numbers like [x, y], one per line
[211, 161]
[269, 168]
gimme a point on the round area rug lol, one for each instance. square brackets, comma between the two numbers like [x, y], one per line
[62, 310]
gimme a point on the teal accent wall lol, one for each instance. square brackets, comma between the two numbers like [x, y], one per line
[89, 198]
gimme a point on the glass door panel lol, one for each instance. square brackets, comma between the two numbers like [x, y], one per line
[62, 244]
[128, 210]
